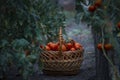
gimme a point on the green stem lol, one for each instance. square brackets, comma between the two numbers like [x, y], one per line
[108, 3]
[103, 42]
[117, 77]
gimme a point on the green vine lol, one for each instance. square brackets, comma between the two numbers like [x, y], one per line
[116, 74]
[115, 70]
[101, 18]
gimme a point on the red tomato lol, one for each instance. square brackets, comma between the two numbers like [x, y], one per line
[47, 48]
[92, 8]
[72, 49]
[63, 48]
[98, 3]
[69, 46]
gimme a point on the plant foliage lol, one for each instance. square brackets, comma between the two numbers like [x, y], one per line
[104, 21]
[24, 25]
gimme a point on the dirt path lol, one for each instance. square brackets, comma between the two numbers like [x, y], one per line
[82, 34]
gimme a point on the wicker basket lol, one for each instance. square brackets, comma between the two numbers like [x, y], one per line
[61, 63]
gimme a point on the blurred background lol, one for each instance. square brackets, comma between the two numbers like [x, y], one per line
[27, 24]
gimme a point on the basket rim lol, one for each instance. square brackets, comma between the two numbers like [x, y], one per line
[65, 51]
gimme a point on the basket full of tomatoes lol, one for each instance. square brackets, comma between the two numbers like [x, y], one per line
[62, 58]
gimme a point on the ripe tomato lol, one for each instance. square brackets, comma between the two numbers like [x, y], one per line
[92, 8]
[99, 46]
[49, 44]
[108, 46]
[47, 48]
[54, 46]
[69, 46]
[118, 25]
[77, 44]
[77, 47]
[72, 49]
[98, 3]
[63, 48]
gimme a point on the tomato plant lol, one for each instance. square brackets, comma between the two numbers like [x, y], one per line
[104, 22]
[24, 25]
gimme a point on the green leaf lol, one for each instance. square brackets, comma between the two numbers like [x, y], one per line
[3, 43]
[20, 43]
[32, 58]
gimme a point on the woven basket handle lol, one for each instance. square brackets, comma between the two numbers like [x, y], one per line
[60, 41]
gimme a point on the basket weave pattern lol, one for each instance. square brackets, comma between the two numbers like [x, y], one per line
[70, 60]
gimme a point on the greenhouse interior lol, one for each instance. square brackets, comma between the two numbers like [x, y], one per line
[59, 39]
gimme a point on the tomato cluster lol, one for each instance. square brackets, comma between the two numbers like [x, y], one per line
[66, 46]
[106, 46]
[93, 7]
